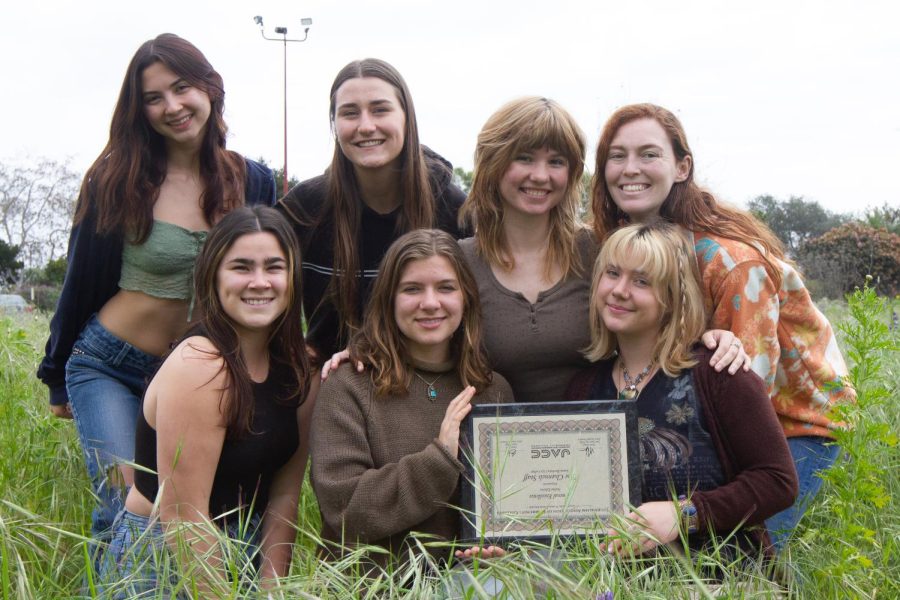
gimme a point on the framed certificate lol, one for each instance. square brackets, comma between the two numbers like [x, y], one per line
[539, 469]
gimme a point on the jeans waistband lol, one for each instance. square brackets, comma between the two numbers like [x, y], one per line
[97, 341]
[139, 521]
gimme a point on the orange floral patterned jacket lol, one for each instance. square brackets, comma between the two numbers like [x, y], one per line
[790, 342]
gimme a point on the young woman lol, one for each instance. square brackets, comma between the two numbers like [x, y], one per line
[385, 441]
[645, 169]
[530, 254]
[222, 431]
[381, 183]
[146, 203]
[714, 458]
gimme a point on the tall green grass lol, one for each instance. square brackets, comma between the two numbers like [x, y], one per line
[846, 547]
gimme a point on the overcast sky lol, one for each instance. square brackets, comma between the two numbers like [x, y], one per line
[789, 97]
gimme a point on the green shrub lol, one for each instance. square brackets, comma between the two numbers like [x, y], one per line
[841, 258]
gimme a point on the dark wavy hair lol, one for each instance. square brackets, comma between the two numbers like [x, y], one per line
[286, 345]
[687, 204]
[380, 343]
[343, 202]
[123, 182]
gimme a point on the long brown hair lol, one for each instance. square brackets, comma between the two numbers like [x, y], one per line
[343, 202]
[524, 125]
[286, 345]
[687, 204]
[662, 252]
[123, 183]
[380, 343]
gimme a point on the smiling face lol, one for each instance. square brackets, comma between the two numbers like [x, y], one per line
[642, 167]
[369, 122]
[627, 301]
[428, 307]
[252, 282]
[174, 108]
[534, 182]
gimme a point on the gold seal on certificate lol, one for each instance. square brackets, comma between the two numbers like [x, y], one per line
[541, 469]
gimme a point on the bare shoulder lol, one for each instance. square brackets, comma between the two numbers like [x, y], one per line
[194, 361]
[191, 381]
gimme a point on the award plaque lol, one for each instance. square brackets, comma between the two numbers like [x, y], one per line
[539, 469]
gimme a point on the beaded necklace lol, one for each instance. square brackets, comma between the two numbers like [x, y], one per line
[630, 391]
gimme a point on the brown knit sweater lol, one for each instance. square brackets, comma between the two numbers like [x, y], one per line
[378, 470]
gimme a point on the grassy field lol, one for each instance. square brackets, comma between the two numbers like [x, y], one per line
[847, 547]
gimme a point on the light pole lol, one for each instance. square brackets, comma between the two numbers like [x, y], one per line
[282, 31]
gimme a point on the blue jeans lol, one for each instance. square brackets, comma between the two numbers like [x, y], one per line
[137, 552]
[811, 457]
[105, 379]
[130, 564]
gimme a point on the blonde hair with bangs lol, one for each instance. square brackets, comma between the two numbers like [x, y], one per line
[663, 254]
[524, 125]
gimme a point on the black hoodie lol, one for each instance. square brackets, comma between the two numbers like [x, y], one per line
[304, 206]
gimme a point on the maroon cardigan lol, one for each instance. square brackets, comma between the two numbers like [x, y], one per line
[750, 442]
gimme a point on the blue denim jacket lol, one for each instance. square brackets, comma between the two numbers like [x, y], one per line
[92, 278]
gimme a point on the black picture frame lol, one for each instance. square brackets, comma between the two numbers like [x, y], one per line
[545, 431]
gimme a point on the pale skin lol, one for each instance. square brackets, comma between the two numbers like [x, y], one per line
[147, 323]
[528, 238]
[363, 108]
[368, 109]
[526, 228]
[183, 405]
[458, 408]
[652, 523]
[641, 154]
[534, 183]
[186, 407]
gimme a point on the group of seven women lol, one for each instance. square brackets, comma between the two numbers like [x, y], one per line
[177, 342]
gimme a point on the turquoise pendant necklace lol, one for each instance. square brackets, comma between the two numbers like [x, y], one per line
[430, 391]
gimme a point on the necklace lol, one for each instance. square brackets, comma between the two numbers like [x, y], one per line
[432, 393]
[630, 391]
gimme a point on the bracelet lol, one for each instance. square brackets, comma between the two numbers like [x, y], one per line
[690, 523]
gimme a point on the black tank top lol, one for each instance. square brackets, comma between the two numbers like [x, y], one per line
[247, 465]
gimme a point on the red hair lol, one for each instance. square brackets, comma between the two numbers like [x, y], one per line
[687, 204]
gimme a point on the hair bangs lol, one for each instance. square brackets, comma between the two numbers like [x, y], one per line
[639, 250]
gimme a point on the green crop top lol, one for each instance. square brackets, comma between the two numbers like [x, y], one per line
[163, 266]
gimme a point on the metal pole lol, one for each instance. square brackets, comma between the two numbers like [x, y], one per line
[284, 38]
[284, 182]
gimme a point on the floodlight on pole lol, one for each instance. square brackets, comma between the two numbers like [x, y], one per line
[283, 32]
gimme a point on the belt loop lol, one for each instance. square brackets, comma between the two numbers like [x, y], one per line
[122, 353]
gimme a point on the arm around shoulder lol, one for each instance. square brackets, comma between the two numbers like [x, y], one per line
[745, 302]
